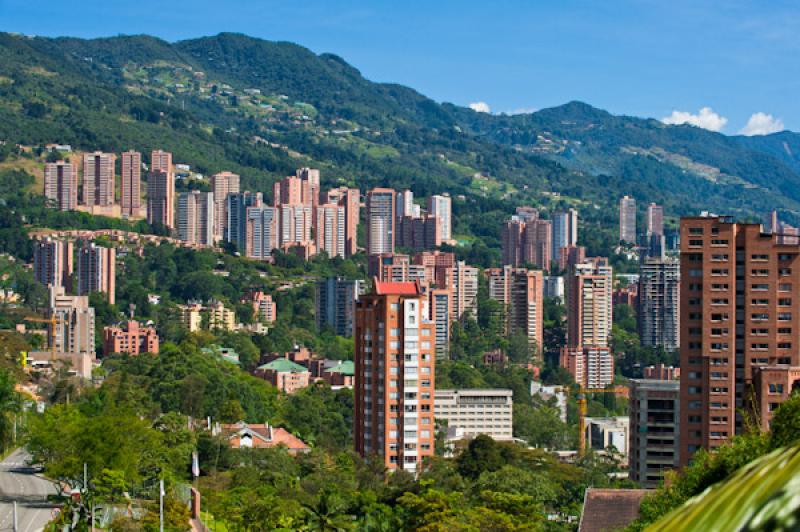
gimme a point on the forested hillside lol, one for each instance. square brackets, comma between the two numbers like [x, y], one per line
[262, 109]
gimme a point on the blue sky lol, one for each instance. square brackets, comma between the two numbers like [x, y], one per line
[718, 64]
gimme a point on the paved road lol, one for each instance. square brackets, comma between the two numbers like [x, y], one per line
[18, 483]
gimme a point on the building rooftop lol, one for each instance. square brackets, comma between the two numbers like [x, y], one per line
[283, 365]
[605, 510]
[346, 367]
[397, 288]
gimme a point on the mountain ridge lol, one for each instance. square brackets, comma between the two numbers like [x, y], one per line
[322, 108]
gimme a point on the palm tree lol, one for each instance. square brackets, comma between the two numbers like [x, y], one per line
[328, 514]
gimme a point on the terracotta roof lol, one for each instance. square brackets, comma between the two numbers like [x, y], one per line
[263, 435]
[397, 289]
[605, 510]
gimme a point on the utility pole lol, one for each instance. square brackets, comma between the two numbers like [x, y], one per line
[85, 477]
[161, 505]
[15, 516]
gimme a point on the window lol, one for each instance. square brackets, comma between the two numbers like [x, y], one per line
[785, 256]
[719, 346]
[695, 404]
[695, 242]
[695, 272]
[759, 332]
[784, 271]
[394, 306]
[695, 389]
[426, 332]
[760, 257]
[760, 272]
[721, 316]
[784, 330]
[785, 287]
[695, 230]
[394, 332]
[719, 331]
[695, 419]
[695, 315]
[719, 257]
[695, 301]
[719, 301]
[719, 286]
[719, 271]
[775, 387]
[719, 242]
[760, 287]
[760, 301]
[695, 257]
[760, 316]
[785, 301]
[784, 316]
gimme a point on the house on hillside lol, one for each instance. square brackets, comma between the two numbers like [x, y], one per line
[243, 435]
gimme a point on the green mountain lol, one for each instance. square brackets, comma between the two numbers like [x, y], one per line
[263, 108]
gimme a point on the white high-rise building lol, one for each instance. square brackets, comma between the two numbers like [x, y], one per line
[440, 207]
[627, 220]
[197, 217]
[565, 232]
[380, 221]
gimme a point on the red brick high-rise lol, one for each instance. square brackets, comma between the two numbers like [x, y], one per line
[739, 313]
[131, 183]
[61, 185]
[394, 376]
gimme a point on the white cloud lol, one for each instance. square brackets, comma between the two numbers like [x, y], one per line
[706, 118]
[762, 124]
[481, 107]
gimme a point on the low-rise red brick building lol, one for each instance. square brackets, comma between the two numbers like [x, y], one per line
[132, 338]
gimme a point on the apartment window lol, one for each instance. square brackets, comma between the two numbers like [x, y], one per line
[785, 287]
[785, 301]
[719, 301]
[695, 345]
[785, 256]
[695, 257]
[719, 346]
[719, 286]
[695, 286]
[784, 330]
[761, 316]
[775, 387]
[773, 406]
[760, 301]
[695, 242]
[695, 330]
[719, 389]
[759, 332]
[719, 375]
[784, 345]
[695, 419]
[695, 389]
[760, 272]
[394, 306]
[718, 271]
[696, 231]
[717, 404]
[695, 404]
[394, 332]
[695, 375]
[695, 301]
[720, 316]
[719, 242]
[719, 257]
[784, 271]
[695, 272]
[695, 315]
[760, 257]
[719, 331]
[784, 316]
[760, 287]
[759, 347]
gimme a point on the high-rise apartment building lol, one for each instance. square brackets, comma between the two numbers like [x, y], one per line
[419, 233]
[53, 262]
[527, 240]
[350, 199]
[261, 232]
[655, 220]
[570, 256]
[331, 224]
[592, 367]
[404, 204]
[236, 208]
[520, 292]
[74, 328]
[589, 305]
[197, 217]
[565, 232]
[439, 302]
[627, 219]
[222, 184]
[739, 311]
[131, 184]
[97, 270]
[336, 304]
[310, 176]
[654, 430]
[61, 185]
[98, 178]
[264, 308]
[659, 303]
[295, 222]
[161, 190]
[464, 289]
[394, 376]
[380, 221]
[440, 207]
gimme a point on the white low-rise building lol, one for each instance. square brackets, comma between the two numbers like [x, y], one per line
[472, 412]
[605, 432]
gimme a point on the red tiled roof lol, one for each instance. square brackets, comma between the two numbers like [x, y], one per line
[267, 436]
[605, 510]
[397, 289]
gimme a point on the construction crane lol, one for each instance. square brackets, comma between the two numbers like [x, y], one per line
[582, 411]
[52, 321]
